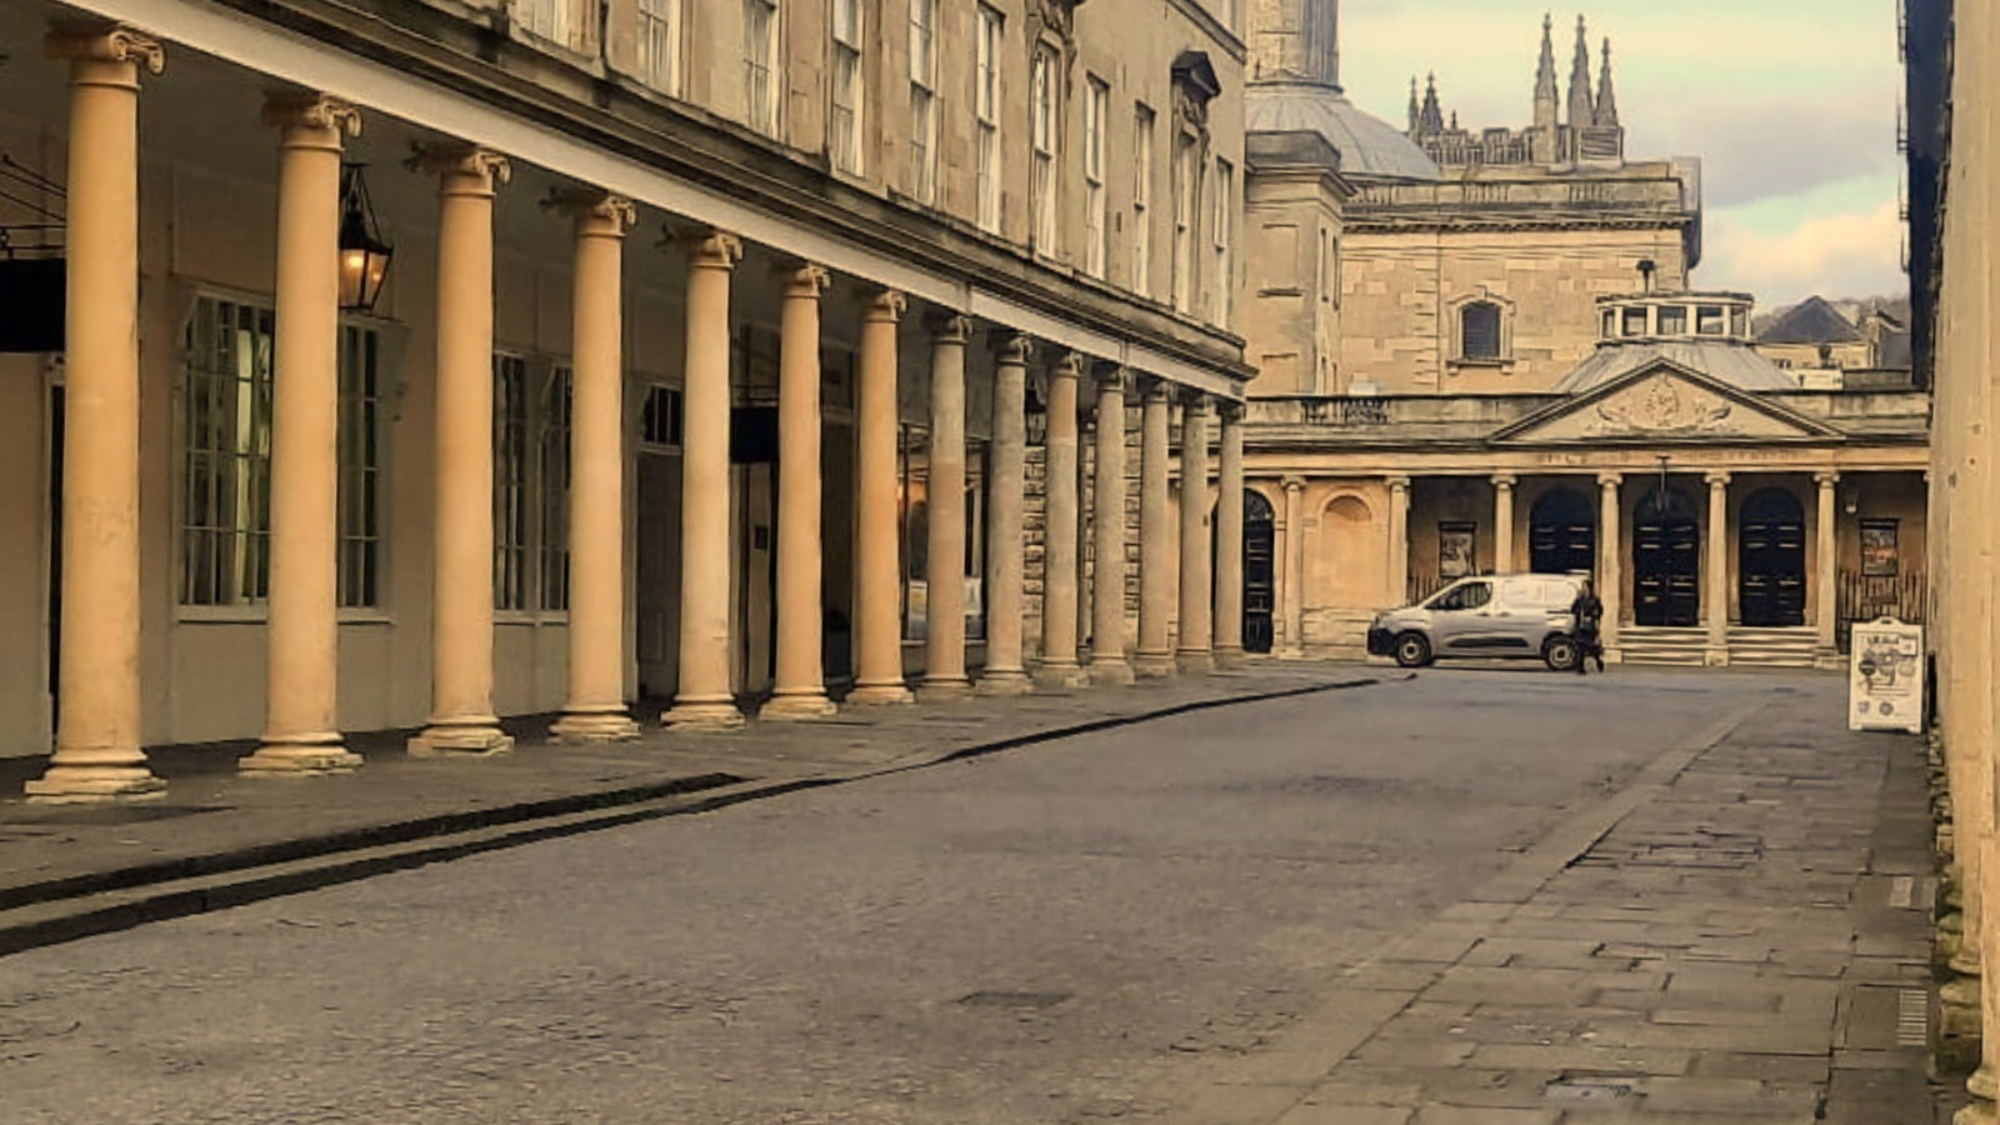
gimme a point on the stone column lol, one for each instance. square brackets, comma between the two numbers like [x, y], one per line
[595, 710]
[800, 688]
[1293, 576]
[704, 700]
[1059, 666]
[944, 649]
[1006, 554]
[97, 754]
[1399, 541]
[1155, 657]
[462, 719]
[301, 732]
[1826, 573]
[1195, 652]
[1503, 522]
[1229, 541]
[1108, 664]
[877, 546]
[1715, 576]
[1610, 579]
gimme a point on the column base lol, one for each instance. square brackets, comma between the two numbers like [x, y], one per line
[473, 739]
[892, 694]
[63, 785]
[1194, 661]
[1153, 665]
[944, 688]
[1957, 1047]
[1715, 656]
[1230, 656]
[595, 726]
[1828, 660]
[1983, 1086]
[300, 758]
[801, 707]
[1061, 674]
[1005, 681]
[703, 715]
[1978, 1113]
[1111, 672]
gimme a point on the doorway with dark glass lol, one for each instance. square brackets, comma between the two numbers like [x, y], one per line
[1562, 533]
[1260, 584]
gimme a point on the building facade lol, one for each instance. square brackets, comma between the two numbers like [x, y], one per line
[1480, 351]
[702, 369]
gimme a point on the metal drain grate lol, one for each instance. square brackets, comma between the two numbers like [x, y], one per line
[1912, 1018]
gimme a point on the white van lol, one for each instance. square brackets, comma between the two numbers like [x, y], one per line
[1489, 617]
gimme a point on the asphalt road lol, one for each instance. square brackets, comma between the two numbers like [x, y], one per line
[1044, 936]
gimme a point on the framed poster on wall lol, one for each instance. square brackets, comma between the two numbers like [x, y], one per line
[1878, 549]
[1457, 543]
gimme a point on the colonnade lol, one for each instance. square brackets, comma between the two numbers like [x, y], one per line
[97, 753]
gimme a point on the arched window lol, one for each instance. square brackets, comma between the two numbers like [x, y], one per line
[1479, 331]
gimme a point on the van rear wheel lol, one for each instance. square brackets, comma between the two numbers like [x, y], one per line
[1412, 650]
[1561, 654]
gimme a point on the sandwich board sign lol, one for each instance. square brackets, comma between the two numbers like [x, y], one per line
[1885, 684]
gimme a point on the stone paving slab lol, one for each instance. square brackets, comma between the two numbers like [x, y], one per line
[212, 818]
[1737, 938]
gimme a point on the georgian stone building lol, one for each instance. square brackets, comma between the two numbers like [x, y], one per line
[1480, 351]
[411, 364]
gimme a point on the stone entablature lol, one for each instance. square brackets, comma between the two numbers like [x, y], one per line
[1654, 192]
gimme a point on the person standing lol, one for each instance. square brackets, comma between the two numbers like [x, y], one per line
[1587, 612]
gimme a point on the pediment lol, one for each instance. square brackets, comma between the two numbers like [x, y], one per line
[1664, 402]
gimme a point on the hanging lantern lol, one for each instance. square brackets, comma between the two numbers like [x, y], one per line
[364, 256]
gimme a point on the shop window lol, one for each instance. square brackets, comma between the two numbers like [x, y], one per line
[226, 438]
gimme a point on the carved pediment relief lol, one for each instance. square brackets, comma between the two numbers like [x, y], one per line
[1663, 406]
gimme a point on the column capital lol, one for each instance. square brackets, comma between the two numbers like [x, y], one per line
[1397, 483]
[595, 211]
[708, 248]
[947, 327]
[886, 306]
[1156, 390]
[310, 119]
[1295, 484]
[1015, 349]
[1112, 378]
[1230, 411]
[1193, 398]
[1610, 480]
[88, 40]
[1717, 479]
[1067, 366]
[1826, 478]
[1505, 481]
[461, 169]
[803, 281]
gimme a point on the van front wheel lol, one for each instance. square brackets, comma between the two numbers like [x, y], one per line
[1412, 650]
[1561, 654]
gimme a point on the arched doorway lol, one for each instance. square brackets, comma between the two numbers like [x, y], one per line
[1666, 561]
[1771, 560]
[1562, 533]
[1260, 574]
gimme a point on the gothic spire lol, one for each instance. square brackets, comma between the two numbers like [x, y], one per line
[1414, 111]
[1607, 97]
[1582, 107]
[1431, 122]
[1545, 74]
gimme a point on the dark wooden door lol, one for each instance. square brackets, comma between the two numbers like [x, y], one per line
[1562, 534]
[1666, 565]
[1771, 560]
[1260, 572]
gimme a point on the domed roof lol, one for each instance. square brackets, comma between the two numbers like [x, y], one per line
[1728, 362]
[1368, 146]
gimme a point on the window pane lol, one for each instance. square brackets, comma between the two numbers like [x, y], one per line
[1480, 327]
[226, 455]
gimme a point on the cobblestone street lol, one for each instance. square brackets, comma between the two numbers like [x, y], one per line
[1477, 896]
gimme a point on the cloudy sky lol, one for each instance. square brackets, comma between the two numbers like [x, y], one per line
[1791, 104]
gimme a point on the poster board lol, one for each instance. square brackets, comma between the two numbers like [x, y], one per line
[1885, 681]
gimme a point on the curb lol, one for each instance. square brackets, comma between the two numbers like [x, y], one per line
[61, 910]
